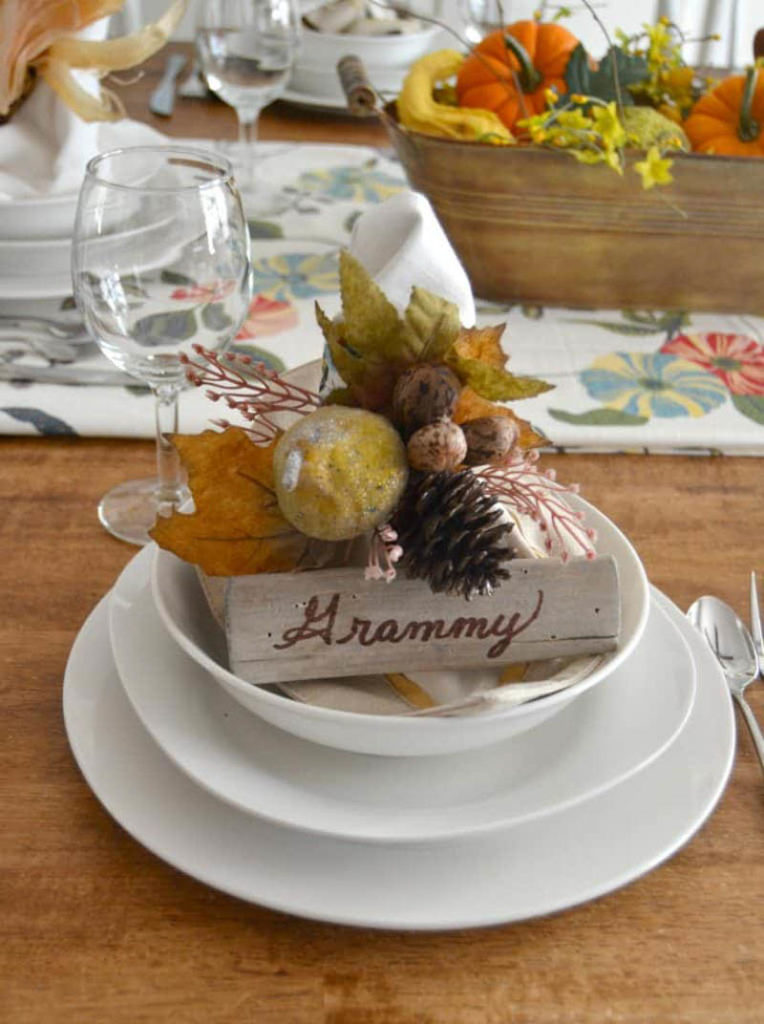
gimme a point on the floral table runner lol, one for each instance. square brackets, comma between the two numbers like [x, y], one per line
[625, 380]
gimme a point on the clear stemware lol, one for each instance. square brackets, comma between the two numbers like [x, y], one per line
[160, 261]
[479, 17]
[246, 50]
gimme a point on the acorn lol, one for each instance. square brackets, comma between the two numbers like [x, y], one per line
[437, 447]
[423, 394]
[490, 439]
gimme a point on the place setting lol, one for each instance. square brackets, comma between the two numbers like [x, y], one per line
[422, 710]
[373, 663]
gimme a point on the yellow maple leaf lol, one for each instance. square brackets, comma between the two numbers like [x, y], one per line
[483, 344]
[237, 527]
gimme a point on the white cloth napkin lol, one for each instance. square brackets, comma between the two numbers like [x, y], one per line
[401, 244]
[45, 146]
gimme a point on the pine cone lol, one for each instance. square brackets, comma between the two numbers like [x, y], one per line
[453, 534]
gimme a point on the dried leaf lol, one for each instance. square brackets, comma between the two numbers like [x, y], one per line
[494, 382]
[472, 407]
[483, 344]
[370, 380]
[237, 527]
[371, 323]
[340, 396]
[431, 326]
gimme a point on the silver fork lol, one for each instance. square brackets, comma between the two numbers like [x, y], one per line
[756, 632]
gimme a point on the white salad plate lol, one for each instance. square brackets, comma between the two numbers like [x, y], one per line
[265, 771]
[545, 865]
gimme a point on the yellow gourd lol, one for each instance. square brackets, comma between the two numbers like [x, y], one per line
[419, 111]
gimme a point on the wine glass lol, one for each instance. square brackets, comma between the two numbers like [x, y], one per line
[246, 50]
[160, 260]
[480, 17]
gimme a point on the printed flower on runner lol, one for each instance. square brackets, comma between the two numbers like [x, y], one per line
[652, 384]
[360, 184]
[267, 316]
[204, 292]
[296, 275]
[735, 359]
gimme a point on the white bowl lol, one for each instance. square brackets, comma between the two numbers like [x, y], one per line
[185, 613]
[386, 59]
[43, 217]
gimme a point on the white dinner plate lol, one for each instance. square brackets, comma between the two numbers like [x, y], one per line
[46, 286]
[543, 866]
[594, 743]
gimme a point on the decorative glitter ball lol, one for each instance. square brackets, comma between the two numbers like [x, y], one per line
[339, 472]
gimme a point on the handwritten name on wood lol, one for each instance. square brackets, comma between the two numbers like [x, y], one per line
[332, 622]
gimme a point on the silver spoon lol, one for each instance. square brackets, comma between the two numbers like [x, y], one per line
[731, 642]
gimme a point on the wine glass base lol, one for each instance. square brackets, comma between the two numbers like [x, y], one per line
[128, 511]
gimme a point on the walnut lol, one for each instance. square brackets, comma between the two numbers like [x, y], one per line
[437, 447]
[490, 439]
[423, 394]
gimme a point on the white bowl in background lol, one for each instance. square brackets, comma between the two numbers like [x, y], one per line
[386, 59]
[43, 217]
[185, 613]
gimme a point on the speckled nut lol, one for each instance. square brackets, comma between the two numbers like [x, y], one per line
[490, 439]
[423, 394]
[437, 447]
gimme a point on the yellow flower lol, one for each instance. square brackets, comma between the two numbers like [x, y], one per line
[654, 169]
[551, 96]
[609, 127]
[574, 119]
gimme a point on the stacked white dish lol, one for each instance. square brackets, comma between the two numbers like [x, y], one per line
[35, 246]
[590, 798]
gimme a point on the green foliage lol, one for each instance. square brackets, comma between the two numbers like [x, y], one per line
[601, 82]
[214, 316]
[599, 418]
[159, 328]
[751, 406]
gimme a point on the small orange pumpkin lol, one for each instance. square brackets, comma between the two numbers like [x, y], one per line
[537, 53]
[729, 120]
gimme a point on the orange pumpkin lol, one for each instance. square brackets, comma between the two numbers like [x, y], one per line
[729, 120]
[537, 53]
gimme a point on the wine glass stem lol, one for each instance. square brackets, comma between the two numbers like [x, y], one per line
[170, 490]
[248, 124]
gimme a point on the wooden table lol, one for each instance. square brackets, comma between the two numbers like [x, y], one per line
[95, 929]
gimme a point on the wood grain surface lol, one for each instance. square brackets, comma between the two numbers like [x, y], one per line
[95, 929]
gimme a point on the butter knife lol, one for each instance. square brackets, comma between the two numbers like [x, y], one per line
[17, 373]
[162, 99]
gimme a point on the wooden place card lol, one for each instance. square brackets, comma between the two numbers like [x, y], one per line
[332, 622]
